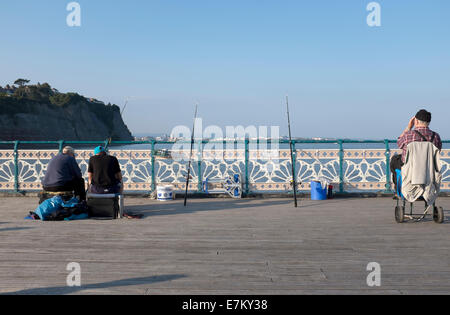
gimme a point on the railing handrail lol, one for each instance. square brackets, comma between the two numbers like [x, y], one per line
[237, 141]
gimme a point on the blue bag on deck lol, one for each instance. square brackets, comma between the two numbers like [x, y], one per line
[399, 183]
[317, 191]
[48, 207]
[72, 203]
[56, 209]
[73, 217]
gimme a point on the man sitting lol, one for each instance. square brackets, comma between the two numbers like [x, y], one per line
[417, 130]
[105, 176]
[64, 174]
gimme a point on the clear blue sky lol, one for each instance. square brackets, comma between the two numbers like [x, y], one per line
[239, 58]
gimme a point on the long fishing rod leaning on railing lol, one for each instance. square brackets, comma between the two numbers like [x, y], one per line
[294, 180]
[190, 158]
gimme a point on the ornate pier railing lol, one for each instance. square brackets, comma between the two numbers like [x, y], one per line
[347, 169]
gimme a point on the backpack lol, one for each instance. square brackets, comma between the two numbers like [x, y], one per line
[69, 210]
[424, 138]
[55, 209]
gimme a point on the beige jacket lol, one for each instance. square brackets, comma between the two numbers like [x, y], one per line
[421, 174]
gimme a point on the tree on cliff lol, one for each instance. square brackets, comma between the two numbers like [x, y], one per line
[21, 82]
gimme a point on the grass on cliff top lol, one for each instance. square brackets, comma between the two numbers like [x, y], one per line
[30, 99]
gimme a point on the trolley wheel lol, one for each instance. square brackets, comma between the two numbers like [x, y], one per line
[438, 215]
[399, 214]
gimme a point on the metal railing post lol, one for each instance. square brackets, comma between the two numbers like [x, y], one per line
[199, 165]
[16, 166]
[61, 145]
[152, 157]
[388, 168]
[246, 157]
[341, 165]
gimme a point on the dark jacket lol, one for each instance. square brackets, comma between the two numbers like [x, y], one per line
[61, 170]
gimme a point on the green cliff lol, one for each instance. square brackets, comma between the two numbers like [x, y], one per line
[38, 112]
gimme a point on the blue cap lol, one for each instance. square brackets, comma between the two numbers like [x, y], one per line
[98, 150]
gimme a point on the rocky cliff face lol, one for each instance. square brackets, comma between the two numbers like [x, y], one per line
[30, 120]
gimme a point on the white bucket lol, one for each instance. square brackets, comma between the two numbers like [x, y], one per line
[164, 193]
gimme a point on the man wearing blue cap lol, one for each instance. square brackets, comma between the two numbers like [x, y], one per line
[105, 176]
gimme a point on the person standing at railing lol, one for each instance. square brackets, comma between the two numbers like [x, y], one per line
[417, 130]
[64, 174]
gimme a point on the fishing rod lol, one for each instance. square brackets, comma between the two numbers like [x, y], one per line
[190, 158]
[108, 142]
[294, 184]
[123, 109]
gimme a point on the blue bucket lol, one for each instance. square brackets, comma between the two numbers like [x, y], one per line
[317, 192]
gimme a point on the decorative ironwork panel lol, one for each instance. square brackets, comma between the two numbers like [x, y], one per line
[219, 164]
[7, 170]
[273, 172]
[268, 171]
[173, 169]
[445, 169]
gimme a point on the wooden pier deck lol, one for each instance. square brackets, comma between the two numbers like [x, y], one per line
[223, 246]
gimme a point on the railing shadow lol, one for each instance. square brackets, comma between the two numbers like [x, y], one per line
[15, 229]
[177, 208]
[63, 290]
[174, 208]
[429, 219]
